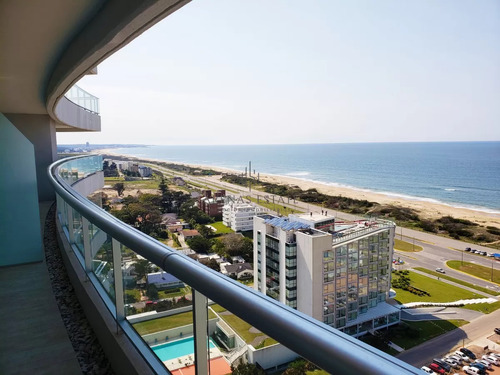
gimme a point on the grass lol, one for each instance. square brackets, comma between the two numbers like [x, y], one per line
[166, 294]
[138, 184]
[276, 207]
[168, 322]
[406, 246]
[218, 308]
[477, 270]
[439, 290]
[426, 331]
[132, 295]
[221, 228]
[464, 283]
[485, 308]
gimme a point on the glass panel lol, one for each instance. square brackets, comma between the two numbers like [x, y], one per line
[102, 261]
[78, 231]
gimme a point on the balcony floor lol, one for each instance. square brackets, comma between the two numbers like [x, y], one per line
[34, 338]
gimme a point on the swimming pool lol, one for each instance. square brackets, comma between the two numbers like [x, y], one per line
[175, 349]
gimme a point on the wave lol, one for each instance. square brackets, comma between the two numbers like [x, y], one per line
[398, 195]
[450, 189]
[298, 174]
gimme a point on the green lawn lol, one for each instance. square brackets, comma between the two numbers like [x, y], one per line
[464, 283]
[406, 246]
[276, 207]
[167, 294]
[139, 184]
[485, 308]
[221, 228]
[422, 331]
[477, 270]
[439, 291]
[168, 322]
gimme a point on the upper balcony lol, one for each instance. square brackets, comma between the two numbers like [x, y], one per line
[101, 249]
[78, 110]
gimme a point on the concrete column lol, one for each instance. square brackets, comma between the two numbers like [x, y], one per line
[40, 130]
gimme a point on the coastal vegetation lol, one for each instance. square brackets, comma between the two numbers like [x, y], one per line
[448, 226]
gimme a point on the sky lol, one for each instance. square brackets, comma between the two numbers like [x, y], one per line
[317, 71]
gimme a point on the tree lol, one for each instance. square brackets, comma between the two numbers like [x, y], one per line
[119, 187]
[152, 292]
[204, 230]
[247, 369]
[142, 267]
[211, 263]
[235, 244]
[199, 244]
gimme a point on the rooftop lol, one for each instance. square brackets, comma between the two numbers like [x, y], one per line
[285, 223]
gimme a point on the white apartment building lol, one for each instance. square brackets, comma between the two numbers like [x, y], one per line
[336, 272]
[239, 215]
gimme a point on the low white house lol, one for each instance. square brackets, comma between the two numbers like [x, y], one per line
[238, 270]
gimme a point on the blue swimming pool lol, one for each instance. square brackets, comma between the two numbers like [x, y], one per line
[175, 349]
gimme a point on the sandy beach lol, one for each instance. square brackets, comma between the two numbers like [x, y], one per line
[425, 209]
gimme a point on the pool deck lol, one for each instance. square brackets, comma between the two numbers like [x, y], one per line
[188, 360]
[218, 366]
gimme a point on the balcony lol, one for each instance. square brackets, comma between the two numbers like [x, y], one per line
[78, 109]
[97, 245]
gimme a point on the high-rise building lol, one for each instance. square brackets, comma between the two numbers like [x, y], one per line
[239, 215]
[336, 272]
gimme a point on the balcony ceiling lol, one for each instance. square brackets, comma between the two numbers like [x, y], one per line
[33, 35]
[46, 46]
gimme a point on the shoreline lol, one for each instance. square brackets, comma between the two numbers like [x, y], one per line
[425, 207]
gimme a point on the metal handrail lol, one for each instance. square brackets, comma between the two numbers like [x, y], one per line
[330, 349]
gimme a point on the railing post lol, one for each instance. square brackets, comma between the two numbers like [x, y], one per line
[69, 216]
[87, 246]
[200, 324]
[118, 276]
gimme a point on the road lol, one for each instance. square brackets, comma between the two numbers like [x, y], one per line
[441, 345]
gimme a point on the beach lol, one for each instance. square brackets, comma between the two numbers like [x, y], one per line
[426, 209]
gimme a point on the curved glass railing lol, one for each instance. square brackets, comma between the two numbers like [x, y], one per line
[225, 320]
[83, 99]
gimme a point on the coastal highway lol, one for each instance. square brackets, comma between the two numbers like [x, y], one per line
[436, 250]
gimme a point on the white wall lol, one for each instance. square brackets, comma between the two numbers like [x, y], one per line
[270, 356]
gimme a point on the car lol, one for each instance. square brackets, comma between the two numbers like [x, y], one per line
[485, 363]
[456, 358]
[483, 253]
[490, 359]
[468, 249]
[496, 355]
[436, 368]
[462, 355]
[497, 331]
[440, 270]
[427, 370]
[468, 353]
[441, 363]
[452, 362]
[490, 255]
[479, 366]
[472, 370]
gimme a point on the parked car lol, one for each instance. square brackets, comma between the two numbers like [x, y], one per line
[437, 369]
[456, 358]
[440, 270]
[441, 363]
[468, 249]
[483, 253]
[490, 255]
[497, 331]
[468, 353]
[479, 366]
[485, 363]
[462, 355]
[452, 362]
[496, 355]
[472, 370]
[491, 359]
[427, 370]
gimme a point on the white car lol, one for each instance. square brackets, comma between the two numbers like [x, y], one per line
[427, 370]
[490, 359]
[471, 370]
[440, 270]
[456, 358]
[462, 355]
[496, 355]
[452, 362]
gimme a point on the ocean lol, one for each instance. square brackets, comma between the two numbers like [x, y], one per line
[461, 174]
